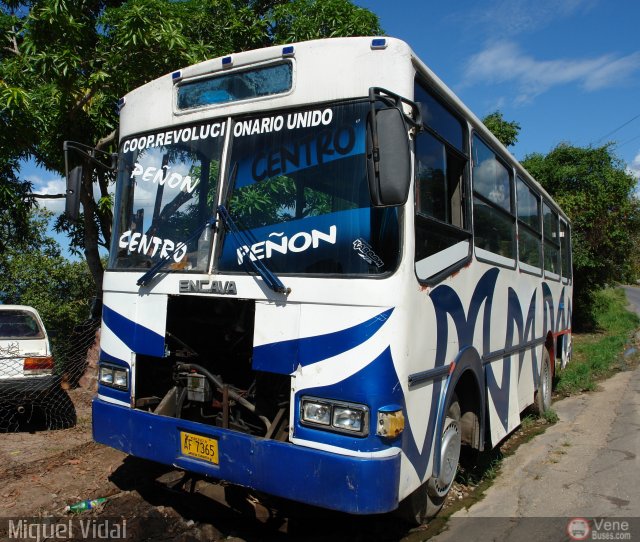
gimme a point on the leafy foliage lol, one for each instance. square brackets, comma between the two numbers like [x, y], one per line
[506, 131]
[275, 200]
[37, 274]
[65, 63]
[597, 355]
[593, 188]
[311, 19]
[15, 203]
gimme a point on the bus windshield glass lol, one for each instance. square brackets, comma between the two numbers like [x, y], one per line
[167, 189]
[300, 195]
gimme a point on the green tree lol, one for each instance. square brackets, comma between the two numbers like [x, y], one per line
[301, 20]
[15, 200]
[506, 132]
[16, 203]
[64, 64]
[593, 188]
[37, 274]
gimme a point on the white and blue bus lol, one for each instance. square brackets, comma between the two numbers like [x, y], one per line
[326, 278]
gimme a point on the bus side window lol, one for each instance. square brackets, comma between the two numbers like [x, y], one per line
[441, 239]
[438, 181]
[551, 241]
[529, 228]
[493, 216]
[442, 226]
[565, 247]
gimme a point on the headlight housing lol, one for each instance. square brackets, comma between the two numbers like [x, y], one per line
[114, 376]
[336, 416]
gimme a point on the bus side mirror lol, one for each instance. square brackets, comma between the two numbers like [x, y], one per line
[74, 181]
[388, 158]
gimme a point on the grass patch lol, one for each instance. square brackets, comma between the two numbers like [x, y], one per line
[597, 355]
[528, 421]
[550, 416]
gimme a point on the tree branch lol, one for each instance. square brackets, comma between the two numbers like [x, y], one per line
[14, 42]
[102, 143]
[82, 101]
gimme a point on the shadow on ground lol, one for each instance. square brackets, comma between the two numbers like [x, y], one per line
[158, 499]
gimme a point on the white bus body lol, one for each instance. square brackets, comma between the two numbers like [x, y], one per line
[403, 334]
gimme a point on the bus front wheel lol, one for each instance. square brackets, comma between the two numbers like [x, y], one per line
[426, 501]
[543, 393]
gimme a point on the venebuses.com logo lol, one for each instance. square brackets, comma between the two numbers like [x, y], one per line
[598, 529]
[578, 529]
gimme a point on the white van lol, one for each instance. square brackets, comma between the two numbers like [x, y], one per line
[26, 364]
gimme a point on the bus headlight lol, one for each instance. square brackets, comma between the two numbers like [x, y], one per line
[350, 419]
[106, 375]
[114, 377]
[120, 379]
[316, 412]
[335, 415]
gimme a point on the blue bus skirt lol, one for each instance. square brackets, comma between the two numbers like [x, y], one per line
[339, 482]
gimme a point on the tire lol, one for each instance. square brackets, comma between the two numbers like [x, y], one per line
[542, 397]
[59, 411]
[426, 501]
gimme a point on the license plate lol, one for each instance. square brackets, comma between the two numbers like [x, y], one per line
[199, 447]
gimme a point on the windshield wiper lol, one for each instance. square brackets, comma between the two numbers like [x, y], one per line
[244, 244]
[157, 267]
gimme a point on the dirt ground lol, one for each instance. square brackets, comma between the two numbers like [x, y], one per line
[43, 471]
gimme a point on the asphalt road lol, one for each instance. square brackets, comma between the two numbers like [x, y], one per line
[633, 295]
[585, 466]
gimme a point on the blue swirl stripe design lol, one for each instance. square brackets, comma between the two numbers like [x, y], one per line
[283, 357]
[375, 385]
[519, 330]
[447, 303]
[138, 338]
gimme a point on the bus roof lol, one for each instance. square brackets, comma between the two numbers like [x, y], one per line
[325, 70]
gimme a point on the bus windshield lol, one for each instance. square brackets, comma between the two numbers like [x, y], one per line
[167, 188]
[298, 193]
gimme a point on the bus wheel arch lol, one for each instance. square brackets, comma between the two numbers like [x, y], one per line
[550, 347]
[468, 383]
[460, 425]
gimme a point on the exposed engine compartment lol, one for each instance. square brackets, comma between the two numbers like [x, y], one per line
[206, 374]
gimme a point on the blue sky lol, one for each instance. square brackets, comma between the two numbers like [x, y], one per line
[566, 70]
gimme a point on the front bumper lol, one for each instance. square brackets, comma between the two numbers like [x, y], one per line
[350, 484]
[27, 389]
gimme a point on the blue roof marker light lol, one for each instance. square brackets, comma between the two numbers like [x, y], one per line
[176, 76]
[379, 43]
[288, 50]
[121, 103]
[227, 62]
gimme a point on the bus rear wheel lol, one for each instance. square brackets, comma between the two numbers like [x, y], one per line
[426, 501]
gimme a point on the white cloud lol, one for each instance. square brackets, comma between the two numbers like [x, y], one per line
[634, 167]
[53, 185]
[614, 72]
[514, 17]
[505, 62]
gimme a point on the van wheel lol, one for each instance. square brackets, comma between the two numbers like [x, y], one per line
[426, 501]
[59, 410]
[542, 399]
